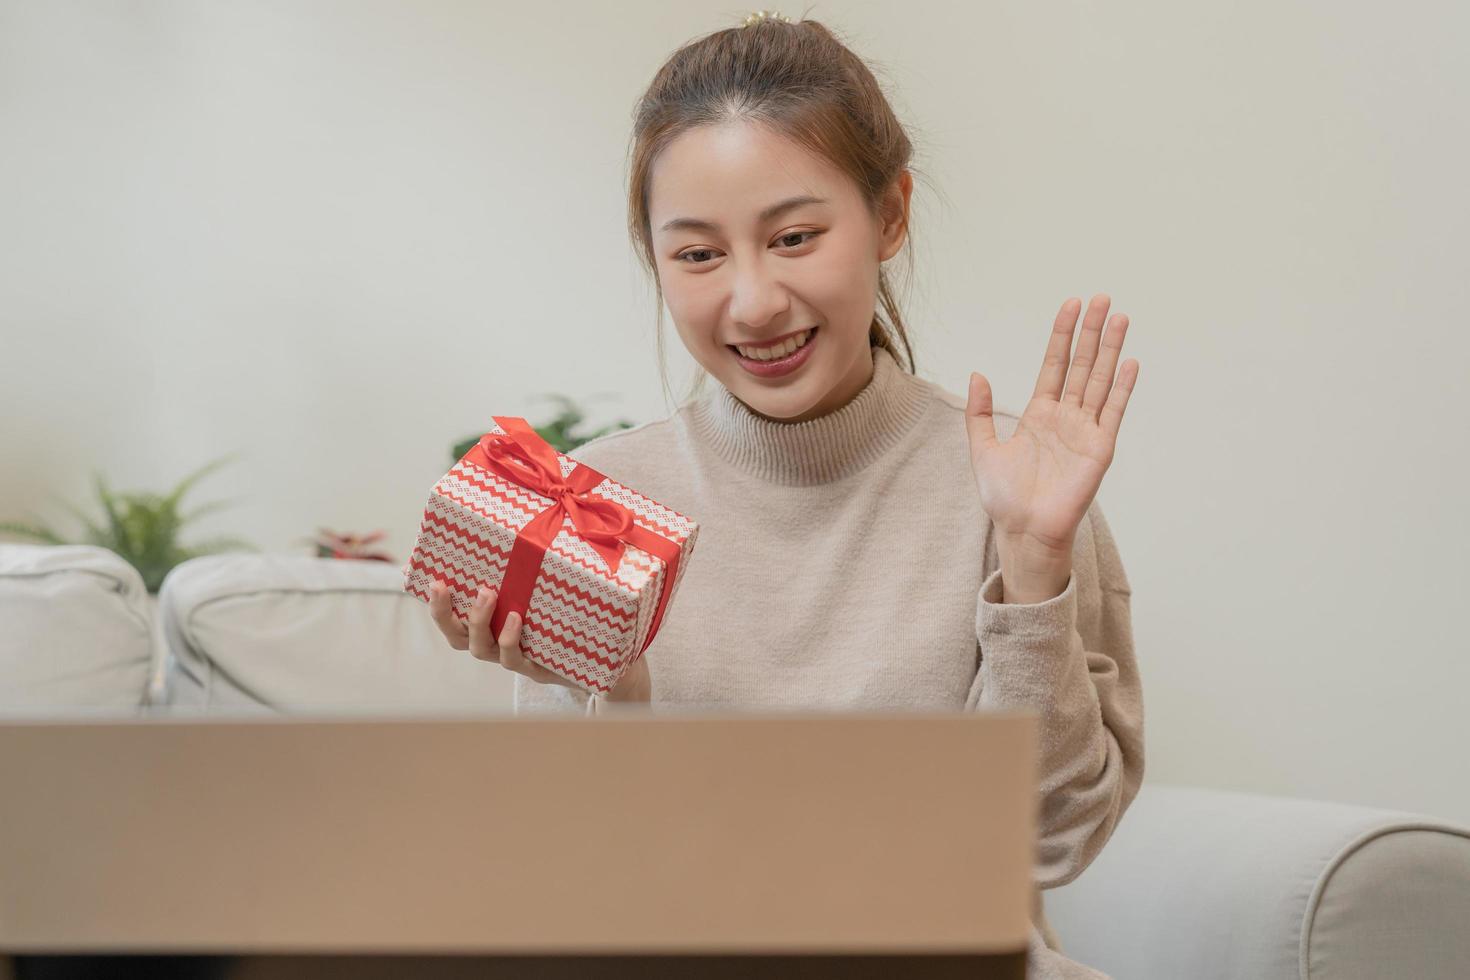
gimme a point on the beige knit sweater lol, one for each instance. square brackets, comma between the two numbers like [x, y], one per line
[846, 563]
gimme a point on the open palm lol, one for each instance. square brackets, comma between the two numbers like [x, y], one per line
[1037, 485]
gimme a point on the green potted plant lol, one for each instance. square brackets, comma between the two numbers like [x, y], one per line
[142, 528]
[558, 432]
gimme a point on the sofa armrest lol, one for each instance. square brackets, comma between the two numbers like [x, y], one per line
[1207, 883]
[76, 631]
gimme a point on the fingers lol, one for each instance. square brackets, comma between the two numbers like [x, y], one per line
[1112, 413]
[506, 648]
[1100, 381]
[979, 408]
[1087, 345]
[481, 646]
[474, 634]
[439, 607]
[1058, 349]
[511, 657]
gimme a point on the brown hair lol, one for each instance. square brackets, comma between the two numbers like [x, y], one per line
[798, 80]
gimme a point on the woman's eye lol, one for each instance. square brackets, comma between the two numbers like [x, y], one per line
[803, 235]
[798, 234]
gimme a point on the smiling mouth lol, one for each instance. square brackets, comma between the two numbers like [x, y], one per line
[779, 341]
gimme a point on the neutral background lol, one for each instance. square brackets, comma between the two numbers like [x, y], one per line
[335, 237]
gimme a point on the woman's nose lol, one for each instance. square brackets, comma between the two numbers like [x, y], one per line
[757, 298]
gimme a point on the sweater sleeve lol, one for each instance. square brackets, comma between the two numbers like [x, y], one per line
[1070, 659]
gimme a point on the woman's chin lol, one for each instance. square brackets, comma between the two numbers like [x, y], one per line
[790, 405]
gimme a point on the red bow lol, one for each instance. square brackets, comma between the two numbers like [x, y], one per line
[522, 457]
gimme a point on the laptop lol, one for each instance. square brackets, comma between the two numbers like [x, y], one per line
[705, 844]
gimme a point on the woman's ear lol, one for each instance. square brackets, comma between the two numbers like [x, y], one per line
[895, 216]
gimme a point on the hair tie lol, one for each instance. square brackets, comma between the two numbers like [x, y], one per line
[761, 16]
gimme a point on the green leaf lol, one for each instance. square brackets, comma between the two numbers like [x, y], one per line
[93, 533]
[559, 432]
[115, 536]
[142, 528]
[203, 509]
[190, 480]
[31, 531]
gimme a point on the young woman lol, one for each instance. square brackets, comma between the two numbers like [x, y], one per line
[868, 541]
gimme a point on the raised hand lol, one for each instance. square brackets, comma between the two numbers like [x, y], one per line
[1037, 485]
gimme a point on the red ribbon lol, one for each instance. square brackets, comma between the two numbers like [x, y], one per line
[522, 457]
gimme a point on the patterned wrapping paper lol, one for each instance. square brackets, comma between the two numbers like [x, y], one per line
[590, 564]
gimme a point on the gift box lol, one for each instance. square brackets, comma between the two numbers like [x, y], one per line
[590, 564]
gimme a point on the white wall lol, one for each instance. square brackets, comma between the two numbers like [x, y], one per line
[338, 236]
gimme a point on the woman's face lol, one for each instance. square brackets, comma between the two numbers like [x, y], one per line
[736, 270]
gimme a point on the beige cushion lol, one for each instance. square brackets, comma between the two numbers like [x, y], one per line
[77, 634]
[1205, 883]
[263, 633]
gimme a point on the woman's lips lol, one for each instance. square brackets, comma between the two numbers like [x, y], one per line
[775, 340]
[780, 366]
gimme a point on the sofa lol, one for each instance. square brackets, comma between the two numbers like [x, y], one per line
[1196, 883]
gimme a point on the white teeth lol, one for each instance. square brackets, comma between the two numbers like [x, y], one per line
[779, 351]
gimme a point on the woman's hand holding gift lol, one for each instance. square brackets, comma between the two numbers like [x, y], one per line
[474, 635]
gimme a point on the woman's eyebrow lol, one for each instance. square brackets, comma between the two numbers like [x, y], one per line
[779, 208]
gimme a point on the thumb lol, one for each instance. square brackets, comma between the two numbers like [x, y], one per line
[978, 418]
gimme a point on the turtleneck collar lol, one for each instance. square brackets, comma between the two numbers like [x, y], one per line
[818, 450]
